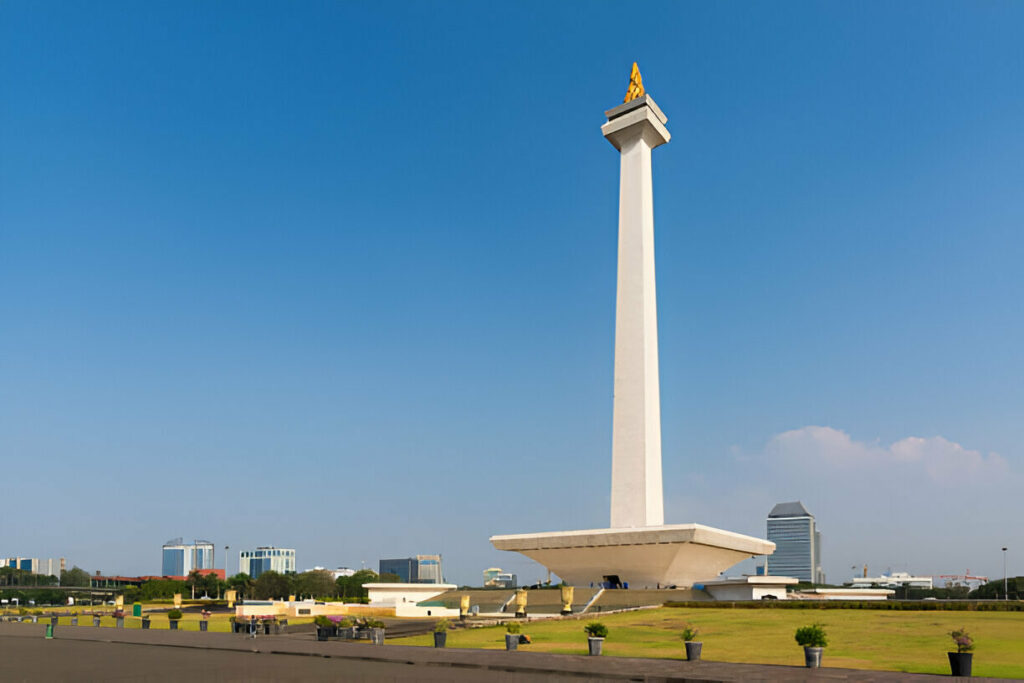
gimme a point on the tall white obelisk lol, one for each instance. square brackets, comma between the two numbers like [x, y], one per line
[635, 128]
[638, 549]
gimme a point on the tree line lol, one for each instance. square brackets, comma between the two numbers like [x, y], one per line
[317, 584]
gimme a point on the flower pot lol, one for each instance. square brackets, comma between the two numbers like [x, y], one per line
[95, 621]
[145, 623]
[440, 638]
[812, 657]
[174, 624]
[321, 633]
[595, 645]
[960, 663]
[74, 621]
[511, 642]
[692, 651]
[204, 625]
[377, 636]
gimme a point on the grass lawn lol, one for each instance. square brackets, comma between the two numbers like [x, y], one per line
[908, 641]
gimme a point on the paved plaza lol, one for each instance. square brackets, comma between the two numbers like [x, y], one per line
[86, 653]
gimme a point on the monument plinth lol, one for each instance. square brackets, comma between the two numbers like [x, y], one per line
[639, 548]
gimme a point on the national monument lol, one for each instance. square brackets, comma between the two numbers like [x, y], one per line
[638, 548]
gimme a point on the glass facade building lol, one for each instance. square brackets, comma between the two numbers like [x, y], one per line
[797, 543]
[419, 569]
[266, 559]
[179, 558]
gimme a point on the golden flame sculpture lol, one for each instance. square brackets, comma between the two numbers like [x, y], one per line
[636, 85]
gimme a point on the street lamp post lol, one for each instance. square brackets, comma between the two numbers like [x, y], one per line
[1005, 593]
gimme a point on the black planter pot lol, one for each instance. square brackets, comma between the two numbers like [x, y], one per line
[377, 636]
[812, 657]
[174, 624]
[440, 638]
[95, 621]
[960, 663]
[145, 623]
[322, 633]
[511, 641]
[204, 625]
[692, 651]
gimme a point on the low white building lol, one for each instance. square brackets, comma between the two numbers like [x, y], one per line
[405, 598]
[844, 594]
[335, 573]
[749, 587]
[893, 580]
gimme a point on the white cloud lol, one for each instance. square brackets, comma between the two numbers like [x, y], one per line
[937, 458]
[892, 505]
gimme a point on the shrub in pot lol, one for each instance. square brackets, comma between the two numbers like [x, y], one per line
[596, 633]
[173, 616]
[960, 661]
[512, 635]
[324, 627]
[690, 642]
[813, 639]
[376, 631]
[346, 627]
[441, 632]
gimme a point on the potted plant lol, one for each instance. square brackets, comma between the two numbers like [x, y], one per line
[324, 627]
[205, 623]
[376, 631]
[347, 628]
[813, 639]
[512, 636]
[173, 616]
[960, 661]
[441, 632]
[596, 633]
[689, 636]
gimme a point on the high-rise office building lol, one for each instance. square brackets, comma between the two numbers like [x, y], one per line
[419, 569]
[266, 558]
[797, 543]
[48, 567]
[179, 558]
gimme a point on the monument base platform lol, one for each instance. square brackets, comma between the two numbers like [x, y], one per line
[642, 557]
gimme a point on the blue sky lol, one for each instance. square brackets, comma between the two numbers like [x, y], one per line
[340, 276]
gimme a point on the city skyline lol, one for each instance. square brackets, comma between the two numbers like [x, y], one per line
[262, 260]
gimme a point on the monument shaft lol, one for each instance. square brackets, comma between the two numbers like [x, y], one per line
[635, 128]
[639, 549]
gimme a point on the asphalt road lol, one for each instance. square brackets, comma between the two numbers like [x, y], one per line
[87, 653]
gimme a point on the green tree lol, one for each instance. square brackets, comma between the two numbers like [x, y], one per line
[195, 582]
[161, 589]
[390, 577]
[74, 577]
[993, 590]
[352, 586]
[242, 583]
[317, 583]
[270, 584]
[212, 585]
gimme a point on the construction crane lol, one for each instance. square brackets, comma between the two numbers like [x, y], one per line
[966, 577]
